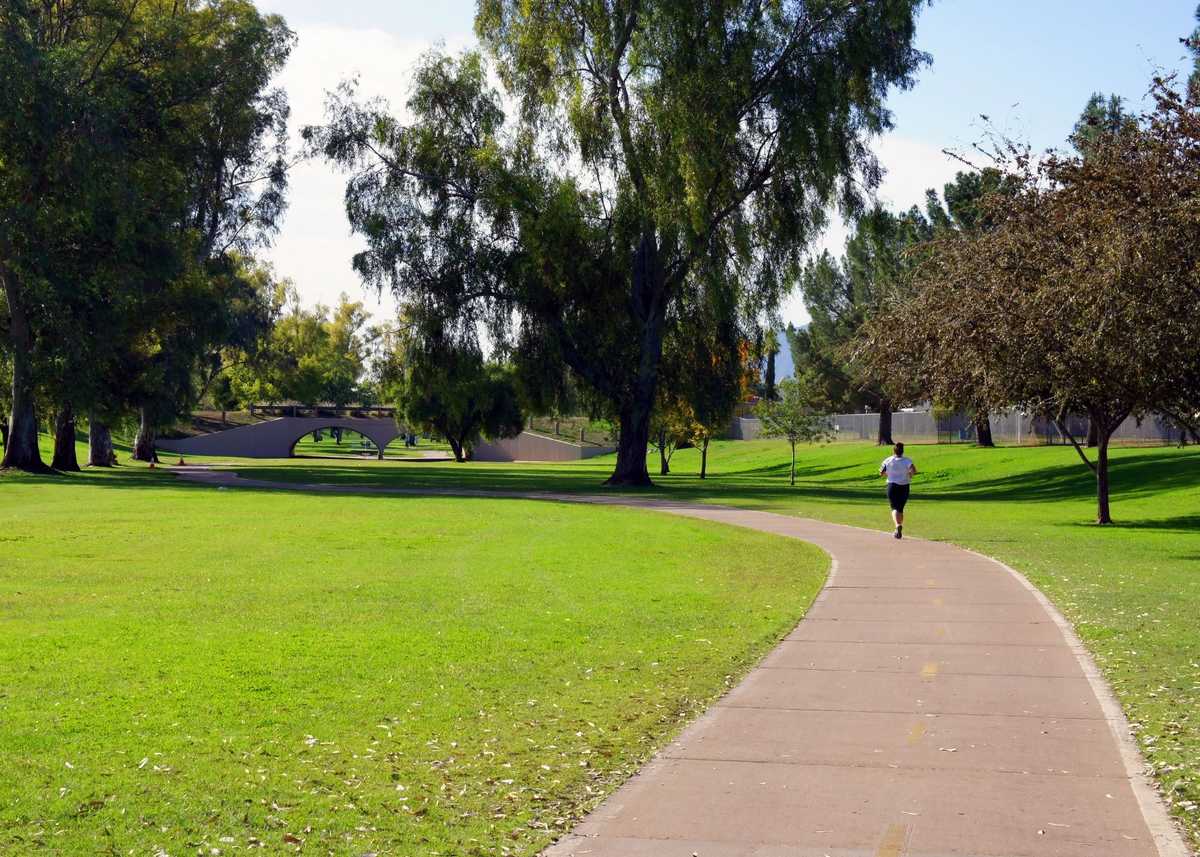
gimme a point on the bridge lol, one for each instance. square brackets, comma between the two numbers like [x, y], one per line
[278, 438]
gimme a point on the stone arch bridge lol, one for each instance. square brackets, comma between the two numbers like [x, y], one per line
[278, 438]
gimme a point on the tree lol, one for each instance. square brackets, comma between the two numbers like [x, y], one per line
[224, 397]
[966, 211]
[662, 151]
[711, 370]
[1081, 298]
[61, 138]
[232, 144]
[386, 345]
[343, 357]
[794, 417]
[5, 392]
[451, 390]
[111, 124]
[1101, 118]
[309, 355]
[1192, 43]
[841, 295]
[771, 348]
[213, 310]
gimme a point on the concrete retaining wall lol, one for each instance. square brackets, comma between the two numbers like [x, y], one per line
[528, 446]
[745, 428]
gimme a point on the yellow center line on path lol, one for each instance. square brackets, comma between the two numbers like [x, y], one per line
[894, 842]
[929, 670]
[940, 632]
[937, 602]
[916, 734]
[931, 582]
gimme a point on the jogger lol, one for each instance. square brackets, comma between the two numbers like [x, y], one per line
[899, 471]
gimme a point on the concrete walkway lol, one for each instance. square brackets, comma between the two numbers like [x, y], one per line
[931, 703]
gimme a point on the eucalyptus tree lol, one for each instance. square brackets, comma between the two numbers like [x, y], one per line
[60, 139]
[5, 391]
[117, 125]
[661, 151]
[230, 143]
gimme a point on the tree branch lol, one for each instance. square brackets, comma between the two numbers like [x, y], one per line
[1059, 422]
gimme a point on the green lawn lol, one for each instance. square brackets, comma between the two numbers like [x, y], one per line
[185, 669]
[1132, 590]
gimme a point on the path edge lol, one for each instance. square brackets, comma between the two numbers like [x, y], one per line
[1168, 836]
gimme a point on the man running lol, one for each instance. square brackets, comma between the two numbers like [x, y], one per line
[899, 471]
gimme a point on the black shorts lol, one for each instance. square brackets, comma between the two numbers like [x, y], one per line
[897, 495]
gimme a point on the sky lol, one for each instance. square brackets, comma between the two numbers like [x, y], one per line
[1027, 65]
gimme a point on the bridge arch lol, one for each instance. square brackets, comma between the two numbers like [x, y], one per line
[278, 438]
[381, 433]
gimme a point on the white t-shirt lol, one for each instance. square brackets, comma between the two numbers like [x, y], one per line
[898, 468]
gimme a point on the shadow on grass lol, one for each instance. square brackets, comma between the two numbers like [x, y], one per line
[1130, 476]
[1177, 524]
[1133, 475]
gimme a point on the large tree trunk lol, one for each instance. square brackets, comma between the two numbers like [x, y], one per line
[704, 459]
[1093, 435]
[1103, 516]
[143, 444]
[457, 449]
[4, 430]
[650, 308]
[100, 448]
[769, 387]
[983, 429]
[632, 442]
[21, 450]
[64, 440]
[885, 423]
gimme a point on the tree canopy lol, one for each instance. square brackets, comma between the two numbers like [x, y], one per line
[841, 295]
[1081, 298]
[662, 152]
[141, 146]
[451, 390]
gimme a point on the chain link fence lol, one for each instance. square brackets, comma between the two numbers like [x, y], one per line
[1010, 427]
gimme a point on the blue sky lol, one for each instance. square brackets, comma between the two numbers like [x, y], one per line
[1029, 66]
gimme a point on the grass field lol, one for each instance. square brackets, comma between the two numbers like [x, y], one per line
[184, 669]
[1132, 590]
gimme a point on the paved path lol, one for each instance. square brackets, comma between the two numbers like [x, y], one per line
[931, 703]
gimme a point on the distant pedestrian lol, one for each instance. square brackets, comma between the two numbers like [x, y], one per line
[899, 471]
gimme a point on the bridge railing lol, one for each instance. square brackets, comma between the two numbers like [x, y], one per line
[295, 409]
